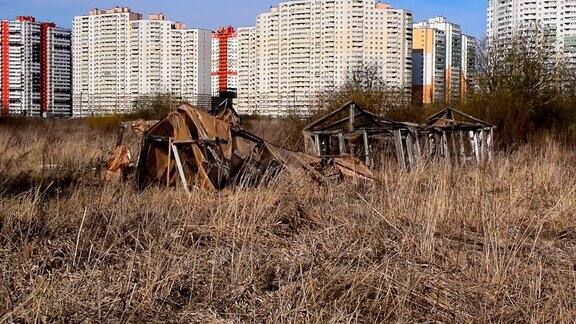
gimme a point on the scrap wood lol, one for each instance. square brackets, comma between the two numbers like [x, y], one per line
[119, 160]
[212, 151]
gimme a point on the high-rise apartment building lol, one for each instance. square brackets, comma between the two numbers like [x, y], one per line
[305, 47]
[469, 53]
[453, 54]
[248, 81]
[429, 65]
[224, 61]
[555, 17]
[35, 68]
[119, 57]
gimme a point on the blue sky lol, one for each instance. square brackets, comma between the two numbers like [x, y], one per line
[210, 14]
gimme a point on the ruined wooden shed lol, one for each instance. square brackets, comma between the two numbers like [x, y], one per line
[457, 138]
[353, 131]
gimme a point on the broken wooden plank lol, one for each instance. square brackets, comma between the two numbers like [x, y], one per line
[341, 144]
[491, 145]
[463, 157]
[317, 144]
[445, 147]
[180, 169]
[409, 150]
[418, 151]
[352, 116]
[399, 148]
[366, 149]
[169, 162]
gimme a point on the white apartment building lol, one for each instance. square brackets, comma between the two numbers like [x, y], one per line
[453, 54]
[35, 68]
[507, 17]
[118, 57]
[248, 81]
[303, 47]
[224, 61]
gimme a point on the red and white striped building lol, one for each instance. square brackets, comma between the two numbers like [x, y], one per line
[224, 61]
[36, 68]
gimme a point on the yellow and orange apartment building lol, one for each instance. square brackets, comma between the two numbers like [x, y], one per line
[443, 61]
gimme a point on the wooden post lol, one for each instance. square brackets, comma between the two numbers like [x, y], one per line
[317, 147]
[169, 162]
[352, 116]
[430, 147]
[410, 150]
[482, 140]
[476, 146]
[462, 149]
[491, 145]
[399, 148]
[366, 148]
[455, 151]
[341, 144]
[180, 169]
[445, 146]
[437, 149]
[418, 151]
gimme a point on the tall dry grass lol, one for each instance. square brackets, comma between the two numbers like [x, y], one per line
[483, 244]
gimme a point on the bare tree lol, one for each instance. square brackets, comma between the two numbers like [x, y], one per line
[520, 85]
[366, 86]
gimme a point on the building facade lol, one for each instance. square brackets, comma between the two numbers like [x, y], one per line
[35, 68]
[444, 62]
[429, 65]
[469, 52]
[305, 47]
[224, 61]
[118, 57]
[453, 58]
[555, 17]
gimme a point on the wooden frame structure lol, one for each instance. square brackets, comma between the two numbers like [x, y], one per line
[351, 131]
[449, 135]
[458, 138]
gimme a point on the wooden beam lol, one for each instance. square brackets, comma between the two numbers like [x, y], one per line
[319, 121]
[462, 148]
[470, 117]
[366, 149]
[341, 144]
[410, 150]
[455, 151]
[418, 152]
[169, 162]
[491, 145]
[318, 146]
[352, 116]
[445, 147]
[180, 169]
[482, 143]
[399, 148]
[474, 139]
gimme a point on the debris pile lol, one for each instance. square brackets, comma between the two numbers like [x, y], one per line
[458, 138]
[210, 150]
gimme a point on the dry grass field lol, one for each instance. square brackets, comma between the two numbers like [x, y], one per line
[495, 244]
